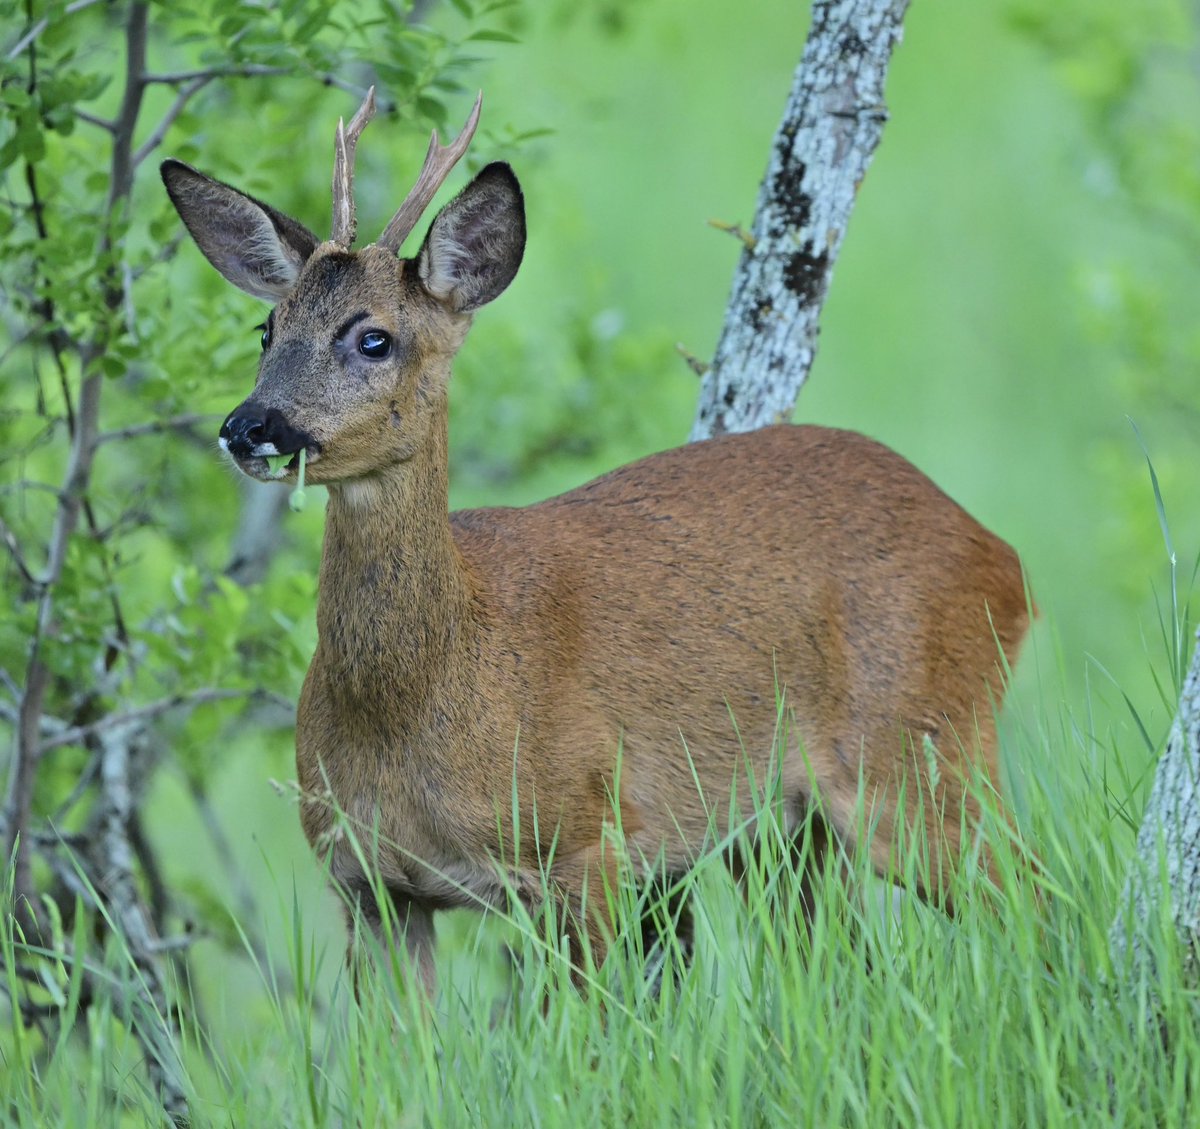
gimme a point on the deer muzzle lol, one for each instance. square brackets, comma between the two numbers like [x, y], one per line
[252, 434]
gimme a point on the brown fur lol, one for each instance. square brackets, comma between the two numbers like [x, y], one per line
[624, 643]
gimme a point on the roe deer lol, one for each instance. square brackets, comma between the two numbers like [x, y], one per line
[620, 645]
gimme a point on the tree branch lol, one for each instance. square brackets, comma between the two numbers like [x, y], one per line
[830, 129]
[155, 1030]
[156, 427]
[99, 123]
[30, 37]
[14, 551]
[140, 715]
[253, 70]
[185, 95]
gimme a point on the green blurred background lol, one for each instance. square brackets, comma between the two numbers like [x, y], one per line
[1017, 285]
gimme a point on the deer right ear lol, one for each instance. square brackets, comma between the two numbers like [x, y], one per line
[255, 247]
[476, 242]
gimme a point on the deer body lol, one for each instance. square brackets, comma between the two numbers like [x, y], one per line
[621, 648]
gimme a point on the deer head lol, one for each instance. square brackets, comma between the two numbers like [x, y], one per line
[357, 350]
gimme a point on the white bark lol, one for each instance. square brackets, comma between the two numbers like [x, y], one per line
[146, 1004]
[1167, 865]
[830, 129]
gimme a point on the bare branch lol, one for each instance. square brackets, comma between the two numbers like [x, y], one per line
[32, 34]
[157, 427]
[167, 251]
[154, 1027]
[207, 74]
[99, 123]
[253, 70]
[14, 551]
[185, 95]
[77, 734]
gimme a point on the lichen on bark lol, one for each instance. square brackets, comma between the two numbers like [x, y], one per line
[1164, 879]
[830, 129]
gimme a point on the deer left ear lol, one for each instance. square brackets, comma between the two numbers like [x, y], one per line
[476, 242]
[258, 249]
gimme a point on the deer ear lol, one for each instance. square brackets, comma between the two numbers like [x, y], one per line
[255, 247]
[476, 242]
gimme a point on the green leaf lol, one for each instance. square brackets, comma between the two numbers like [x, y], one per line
[492, 35]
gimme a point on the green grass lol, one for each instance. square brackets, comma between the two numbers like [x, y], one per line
[1009, 1014]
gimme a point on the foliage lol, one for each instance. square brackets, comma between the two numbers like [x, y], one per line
[122, 621]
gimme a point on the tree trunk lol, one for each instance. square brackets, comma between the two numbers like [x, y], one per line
[1167, 865]
[831, 126]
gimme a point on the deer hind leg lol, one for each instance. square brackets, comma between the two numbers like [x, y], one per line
[812, 854]
[666, 927]
[584, 886]
[917, 810]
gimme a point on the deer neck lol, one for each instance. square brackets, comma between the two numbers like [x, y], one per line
[394, 602]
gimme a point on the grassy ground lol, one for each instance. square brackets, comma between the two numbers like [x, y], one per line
[1009, 1014]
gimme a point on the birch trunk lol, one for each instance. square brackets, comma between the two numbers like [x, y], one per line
[1166, 868]
[830, 129]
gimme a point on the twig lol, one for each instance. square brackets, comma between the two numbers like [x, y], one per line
[207, 74]
[690, 359]
[156, 427]
[735, 229]
[185, 95]
[12, 714]
[99, 123]
[87, 778]
[31, 35]
[252, 70]
[167, 251]
[77, 734]
[14, 551]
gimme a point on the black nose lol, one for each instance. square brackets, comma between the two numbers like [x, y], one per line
[250, 427]
[243, 431]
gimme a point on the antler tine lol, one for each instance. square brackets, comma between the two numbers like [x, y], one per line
[439, 160]
[344, 143]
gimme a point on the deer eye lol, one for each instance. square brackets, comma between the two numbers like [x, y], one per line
[375, 344]
[266, 334]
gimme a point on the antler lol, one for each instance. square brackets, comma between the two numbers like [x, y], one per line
[439, 160]
[344, 142]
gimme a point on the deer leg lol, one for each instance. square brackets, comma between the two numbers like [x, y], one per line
[666, 918]
[586, 883]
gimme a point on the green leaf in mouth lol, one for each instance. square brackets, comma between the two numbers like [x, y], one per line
[277, 463]
[297, 498]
